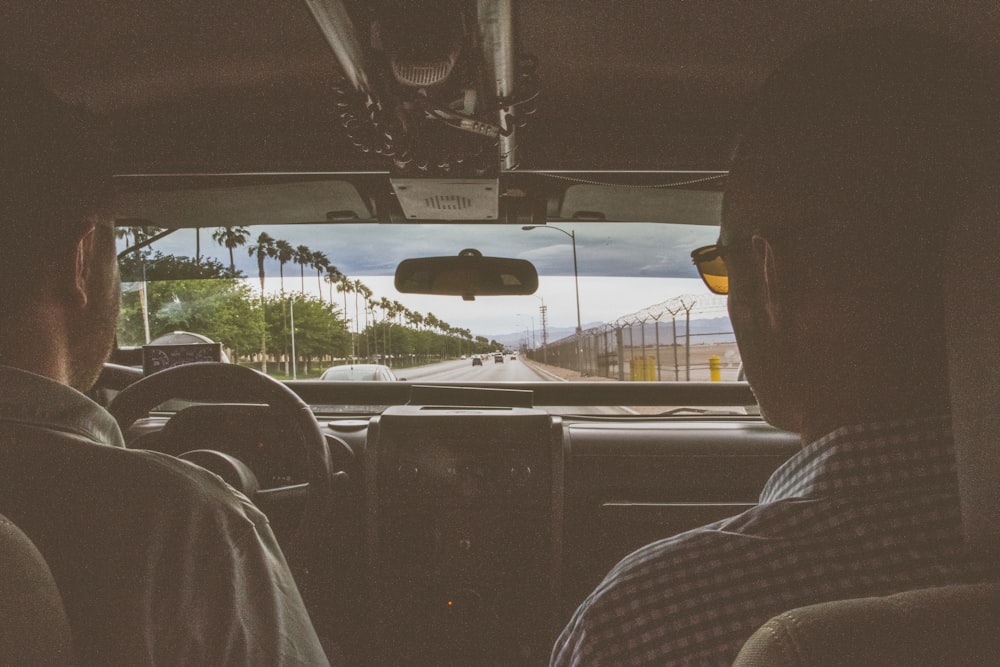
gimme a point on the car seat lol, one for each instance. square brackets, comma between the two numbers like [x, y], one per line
[34, 629]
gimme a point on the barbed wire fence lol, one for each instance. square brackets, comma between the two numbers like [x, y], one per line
[661, 342]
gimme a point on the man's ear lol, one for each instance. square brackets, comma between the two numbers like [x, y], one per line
[775, 284]
[83, 260]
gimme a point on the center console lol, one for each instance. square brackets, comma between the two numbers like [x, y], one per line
[464, 535]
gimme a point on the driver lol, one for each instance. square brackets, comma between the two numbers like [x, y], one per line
[157, 560]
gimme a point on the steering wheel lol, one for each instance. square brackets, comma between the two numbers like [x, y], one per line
[213, 382]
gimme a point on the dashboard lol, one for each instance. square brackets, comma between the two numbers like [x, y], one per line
[467, 535]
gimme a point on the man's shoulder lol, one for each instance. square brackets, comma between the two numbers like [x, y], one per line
[183, 481]
[159, 487]
[700, 549]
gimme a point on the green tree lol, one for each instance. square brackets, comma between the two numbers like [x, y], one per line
[157, 266]
[319, 329]
[225, 310]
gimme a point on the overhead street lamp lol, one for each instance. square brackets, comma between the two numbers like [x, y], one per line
[576, 282]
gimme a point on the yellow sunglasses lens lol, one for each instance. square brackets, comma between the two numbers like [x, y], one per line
[713, 272]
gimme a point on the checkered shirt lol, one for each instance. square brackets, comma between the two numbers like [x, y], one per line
[867, 510]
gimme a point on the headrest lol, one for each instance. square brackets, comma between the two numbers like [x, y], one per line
[972, 325]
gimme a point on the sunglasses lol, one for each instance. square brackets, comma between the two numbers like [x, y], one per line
[712, 267]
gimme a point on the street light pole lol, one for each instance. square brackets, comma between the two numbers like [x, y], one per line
[542, 322]
[576, 285]
[531, 341]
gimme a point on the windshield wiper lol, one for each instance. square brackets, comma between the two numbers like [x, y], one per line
[145, 242]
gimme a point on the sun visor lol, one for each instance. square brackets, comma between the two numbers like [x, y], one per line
[619, 203]
[232, 206]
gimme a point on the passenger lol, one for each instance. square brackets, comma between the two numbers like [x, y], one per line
[860, 151]
[157, 561]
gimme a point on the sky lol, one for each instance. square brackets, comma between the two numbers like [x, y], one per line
[623, 268]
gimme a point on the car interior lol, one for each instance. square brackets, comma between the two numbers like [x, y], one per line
[434, 521]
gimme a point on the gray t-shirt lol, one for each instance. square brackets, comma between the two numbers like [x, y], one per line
[158, 561]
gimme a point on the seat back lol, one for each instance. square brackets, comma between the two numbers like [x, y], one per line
[972, 305]
[950, 625]
[34, 629]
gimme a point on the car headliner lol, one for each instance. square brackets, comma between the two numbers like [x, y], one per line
[245, 85]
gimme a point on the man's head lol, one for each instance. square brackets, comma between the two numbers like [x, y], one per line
[857, 154]
[57, 264]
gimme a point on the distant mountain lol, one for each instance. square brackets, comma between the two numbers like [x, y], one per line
[514, 340]
[710, 330]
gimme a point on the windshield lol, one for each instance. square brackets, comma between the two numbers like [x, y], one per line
[297, 300]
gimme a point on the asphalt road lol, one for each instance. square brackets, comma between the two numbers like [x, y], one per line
[462, 370]
[509, 371]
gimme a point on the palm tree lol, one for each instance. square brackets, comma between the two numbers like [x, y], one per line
[333, 278]
[231, 238]
[123, 232]
[263, 249]
[319, 261]
[345, 285]
[140, 233]
[373, 304]
[303, 257]
[284, 253]
[361, 289]
[388, 312]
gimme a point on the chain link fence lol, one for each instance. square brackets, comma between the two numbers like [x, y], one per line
[674, 340]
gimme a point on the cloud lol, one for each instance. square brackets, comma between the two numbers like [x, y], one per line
[624, 267]
[603, 249]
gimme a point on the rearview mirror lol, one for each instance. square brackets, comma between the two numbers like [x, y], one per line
[467, 275]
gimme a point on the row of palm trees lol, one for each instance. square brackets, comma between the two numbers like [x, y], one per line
[382, 310]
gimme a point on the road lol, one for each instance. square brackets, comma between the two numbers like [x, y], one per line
[462, 370]
[509, 371]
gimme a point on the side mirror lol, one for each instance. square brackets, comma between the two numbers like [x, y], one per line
[467, 275]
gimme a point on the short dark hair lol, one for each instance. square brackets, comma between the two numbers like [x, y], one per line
[871, 139]
[55, 173]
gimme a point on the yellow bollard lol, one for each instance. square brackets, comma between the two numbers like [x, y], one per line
[715, 368]
[650, 369]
